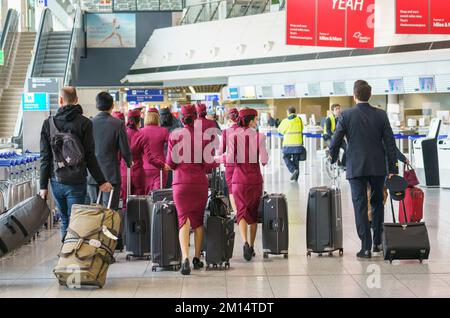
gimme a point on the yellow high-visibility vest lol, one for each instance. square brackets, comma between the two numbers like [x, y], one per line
[291, 129]
[333, 124]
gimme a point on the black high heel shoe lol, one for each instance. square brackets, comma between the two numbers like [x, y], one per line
[247, 252]
[198, 264]
[186, 267]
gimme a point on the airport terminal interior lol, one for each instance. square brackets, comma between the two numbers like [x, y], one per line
[272, 56]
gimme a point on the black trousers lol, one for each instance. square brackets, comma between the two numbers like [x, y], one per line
[359, 197]
[292, 161]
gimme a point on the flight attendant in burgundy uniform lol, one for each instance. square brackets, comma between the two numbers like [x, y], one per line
[249, 151]
[233, 115]
[190, 185]
[208, 126]
[157, 137]
[139, 149]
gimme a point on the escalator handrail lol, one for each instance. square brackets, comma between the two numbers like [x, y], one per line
[10, 29]
[73, 43]
[46, 14]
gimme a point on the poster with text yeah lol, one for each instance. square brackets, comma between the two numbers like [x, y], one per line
[331, 23]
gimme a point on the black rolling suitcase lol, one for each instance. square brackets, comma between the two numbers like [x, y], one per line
[405, 240]
[324, 221]
[275, 227]
[166, 252]
[137, 224]
[219, 241]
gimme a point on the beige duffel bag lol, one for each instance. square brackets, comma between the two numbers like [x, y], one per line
[89, 245]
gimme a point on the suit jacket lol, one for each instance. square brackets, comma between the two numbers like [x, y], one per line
[111, 143]
[370, 142]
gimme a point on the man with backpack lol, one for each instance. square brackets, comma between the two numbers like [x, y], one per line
[67, 149]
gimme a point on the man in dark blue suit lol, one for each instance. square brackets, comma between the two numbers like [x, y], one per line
[370, 142]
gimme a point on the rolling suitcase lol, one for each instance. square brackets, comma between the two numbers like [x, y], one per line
[413, 204]
[165, 250]
[137, 224]
[219, 241]
[405, 240]
[19, 224]
[324, 232]
[275, 227]
[89, 245]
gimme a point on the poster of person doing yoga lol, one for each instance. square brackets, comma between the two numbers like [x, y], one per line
[111, 30]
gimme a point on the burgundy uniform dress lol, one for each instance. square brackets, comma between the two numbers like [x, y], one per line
[157, 137]
[247, 179]
[139, 149]
[229, 167]
[190, 184]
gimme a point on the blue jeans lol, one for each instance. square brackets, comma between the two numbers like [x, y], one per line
[65, 196]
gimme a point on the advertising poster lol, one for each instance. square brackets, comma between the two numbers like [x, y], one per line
[331, 23]
[422, 16]
[301, 19]
[111, 30]
[440, 17]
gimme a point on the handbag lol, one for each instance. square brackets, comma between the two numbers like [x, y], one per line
[409, 174]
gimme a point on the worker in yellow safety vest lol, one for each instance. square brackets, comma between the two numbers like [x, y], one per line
[292, 130]
[331, 123]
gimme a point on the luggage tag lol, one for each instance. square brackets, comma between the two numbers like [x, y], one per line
[95, 243]
[108, 233]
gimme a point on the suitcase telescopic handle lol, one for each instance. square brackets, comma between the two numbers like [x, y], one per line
[109, 200]
[128, 182]
[404, 210]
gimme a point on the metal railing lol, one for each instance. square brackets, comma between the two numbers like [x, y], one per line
[40, 44]
[9, 34]
[77, 48]
[224, 9]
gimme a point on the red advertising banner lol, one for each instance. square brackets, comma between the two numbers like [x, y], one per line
[412, 16]
[422, 16]
[440, 16]
[332, 23]
[301, 22]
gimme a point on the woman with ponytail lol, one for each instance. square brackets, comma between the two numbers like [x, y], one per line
[249, 149]
[140, 150]
[190, 185]
[233, 115]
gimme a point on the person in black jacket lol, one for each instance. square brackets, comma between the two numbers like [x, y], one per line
[370, 143]
[69, 118]
[111, 143]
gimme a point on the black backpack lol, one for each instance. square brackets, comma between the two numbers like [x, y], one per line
[68, 154]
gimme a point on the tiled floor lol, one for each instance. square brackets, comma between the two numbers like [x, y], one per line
[28, 272]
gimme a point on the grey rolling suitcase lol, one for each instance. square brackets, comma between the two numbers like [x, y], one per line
[219, 241]
[166, 252]
[275, 227]
[137, 224]
[19, 224]
[324, 221]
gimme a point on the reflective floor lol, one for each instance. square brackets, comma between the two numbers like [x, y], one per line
[28, 272]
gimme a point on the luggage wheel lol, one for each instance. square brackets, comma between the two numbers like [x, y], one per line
[207, 268]
[265, 255]
[128, 257]
[341, 252]
[320, 254]
[330, 254]
[215, 266]
[308, 254]
[227, 265]
[153, 268]
[285, 256]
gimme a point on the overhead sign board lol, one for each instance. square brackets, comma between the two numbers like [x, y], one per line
[43, 85]
[422, 16]
[145, 95]
[35, 102]
[332, 23]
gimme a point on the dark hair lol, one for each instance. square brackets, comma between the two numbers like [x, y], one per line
[188, 120]
[133, 122]
[166, 119]
[247, 120]
[362, 90]
[104, 101]
[292, 110]
[334, 106]
[69, 95]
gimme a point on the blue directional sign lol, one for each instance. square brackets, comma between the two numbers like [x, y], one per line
[212, 98]
[145, 95]
[35, 102]
[234, 92]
